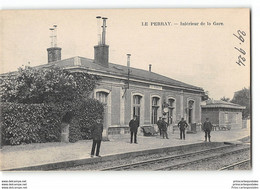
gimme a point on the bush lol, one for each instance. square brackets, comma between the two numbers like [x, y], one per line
[46, 85]
[40, 123]
[85, 116]
[74, 131]
[37, 100]
[29, 123]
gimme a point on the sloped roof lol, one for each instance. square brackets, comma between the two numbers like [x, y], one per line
[221, 104]
[119, 70]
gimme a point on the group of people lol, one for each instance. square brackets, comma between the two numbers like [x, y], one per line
[162, 126]
[97, 130]
[182, 125]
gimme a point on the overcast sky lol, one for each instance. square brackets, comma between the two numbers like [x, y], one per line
[203, 56]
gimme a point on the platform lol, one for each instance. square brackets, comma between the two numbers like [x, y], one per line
[15, 157]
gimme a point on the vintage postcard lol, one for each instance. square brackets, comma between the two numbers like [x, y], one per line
[125, 89]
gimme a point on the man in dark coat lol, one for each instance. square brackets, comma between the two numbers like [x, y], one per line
[134, 124]
[207, 127]
[97, 130]
[164, 128]
[182, 126]
[159, 124]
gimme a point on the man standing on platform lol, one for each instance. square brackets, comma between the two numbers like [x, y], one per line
[164, 128]
[182, 126]
[134, 124]
[159, 124]
[207, 127]
[97, 130]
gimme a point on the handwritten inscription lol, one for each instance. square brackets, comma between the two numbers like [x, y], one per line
[241, 57]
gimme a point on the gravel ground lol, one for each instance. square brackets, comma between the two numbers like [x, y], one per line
[102, 165]
[188, 159]
[217, 164]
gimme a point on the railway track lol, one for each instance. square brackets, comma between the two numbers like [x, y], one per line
[171, 159]
[237, 165]
[201, 160]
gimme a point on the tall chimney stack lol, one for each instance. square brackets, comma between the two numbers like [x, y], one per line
[104, 31]
[99, 29]
[128, 60]
[54, 52]
[101, 51]
[150, 67]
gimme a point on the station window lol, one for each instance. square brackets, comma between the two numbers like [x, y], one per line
[155, 107]
[102, 97]
[137, 105]
[226, 117]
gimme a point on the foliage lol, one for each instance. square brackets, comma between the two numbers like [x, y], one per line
[45, 85]
[23, 123]
[242, 97]
[205, 96]
[225, 99]
[39, 123]
[38, 100]
[74, 131]
[84, 119]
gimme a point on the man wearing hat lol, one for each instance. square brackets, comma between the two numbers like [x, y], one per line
[97, 130]
[159, 124]
[134, 124]
[164, 128]
[207, 127]
[182, 126]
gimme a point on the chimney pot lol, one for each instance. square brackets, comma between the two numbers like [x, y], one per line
[150, 67]
[128, 60]
[99, 29]
[101, 51]
[54, 52]
[103, 42]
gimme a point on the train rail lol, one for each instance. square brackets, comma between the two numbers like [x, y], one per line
[142, 164]
[240, 164]
[182, 165]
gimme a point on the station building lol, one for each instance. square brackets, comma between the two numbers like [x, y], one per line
[127, 91]
[223, 114]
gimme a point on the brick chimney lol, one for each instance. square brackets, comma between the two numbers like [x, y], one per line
[54, 52]
[101, 51]
[150, 67]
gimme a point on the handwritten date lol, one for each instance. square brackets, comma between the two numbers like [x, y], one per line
[240, 36]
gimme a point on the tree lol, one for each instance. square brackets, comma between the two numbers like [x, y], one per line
[225, 99]
[242, 97]
[46, 85]
[205, 96]
[38, 100]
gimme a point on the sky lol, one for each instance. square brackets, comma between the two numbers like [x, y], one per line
[202, 55]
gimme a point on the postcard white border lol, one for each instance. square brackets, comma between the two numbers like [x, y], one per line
[191, 179]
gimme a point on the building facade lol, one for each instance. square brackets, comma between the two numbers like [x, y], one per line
[223, 114]
[143, 93]
[126, 91]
